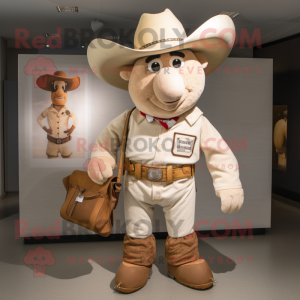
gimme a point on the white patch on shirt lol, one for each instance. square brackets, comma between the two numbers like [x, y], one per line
[149, 118]
[183, 144]
[170, 123]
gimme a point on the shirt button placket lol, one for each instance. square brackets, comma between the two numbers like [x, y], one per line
[58, 125]
[159, 155]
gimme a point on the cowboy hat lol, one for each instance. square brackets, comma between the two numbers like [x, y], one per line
[45, 81]
[162, 33]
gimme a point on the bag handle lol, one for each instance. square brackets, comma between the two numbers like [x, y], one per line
[123, 148]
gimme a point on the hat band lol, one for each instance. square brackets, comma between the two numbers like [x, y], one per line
[160, 41]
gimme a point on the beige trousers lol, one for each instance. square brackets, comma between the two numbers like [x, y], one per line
[177, 200]
[53, 149]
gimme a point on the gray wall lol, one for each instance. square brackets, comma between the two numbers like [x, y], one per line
[286, 80]
[11, 136]
[238, 105]
[2, 78]
[241, 52]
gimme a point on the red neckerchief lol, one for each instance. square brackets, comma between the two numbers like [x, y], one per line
[166, 123]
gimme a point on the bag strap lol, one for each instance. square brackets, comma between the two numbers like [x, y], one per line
[123, 147]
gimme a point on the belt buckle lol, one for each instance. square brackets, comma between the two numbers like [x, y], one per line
[154, 174]
[58, 141]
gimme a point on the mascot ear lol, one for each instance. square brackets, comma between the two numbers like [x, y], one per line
[204, 65]
[202, 59]
[126, 72]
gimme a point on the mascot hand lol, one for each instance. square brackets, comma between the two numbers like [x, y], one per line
[101, 168]
[69, 131]
[231, 199]
[49, 131]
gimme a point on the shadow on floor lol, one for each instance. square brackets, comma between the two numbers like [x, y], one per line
[218, 262]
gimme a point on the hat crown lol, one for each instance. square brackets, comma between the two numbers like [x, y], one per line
[45, 81]
[60, 74]
[157, 31]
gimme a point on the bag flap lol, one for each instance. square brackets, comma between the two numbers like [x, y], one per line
[88, 193]
[82, 179]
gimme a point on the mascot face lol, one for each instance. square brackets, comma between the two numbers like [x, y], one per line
[59, 93]
[165, 85]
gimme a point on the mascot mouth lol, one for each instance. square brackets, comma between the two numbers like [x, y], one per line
[173, 101]
[178, 102]
[170, 106]
[59, 99]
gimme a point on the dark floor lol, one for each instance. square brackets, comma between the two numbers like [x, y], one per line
[265, 267]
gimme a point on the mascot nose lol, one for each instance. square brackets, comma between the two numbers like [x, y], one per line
[60, 92]
[168, 85]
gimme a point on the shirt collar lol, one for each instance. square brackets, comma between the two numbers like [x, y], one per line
[53, 108]
[191, 116]
[137, 116]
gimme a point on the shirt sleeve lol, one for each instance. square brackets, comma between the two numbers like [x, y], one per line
[45, 113]
[74, 119]
[220, 160]
[110, 138]
[40, 118]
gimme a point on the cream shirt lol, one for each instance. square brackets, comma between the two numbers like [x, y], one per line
[57, 121]
[151, 144]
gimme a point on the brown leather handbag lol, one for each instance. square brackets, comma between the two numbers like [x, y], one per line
[89, 204]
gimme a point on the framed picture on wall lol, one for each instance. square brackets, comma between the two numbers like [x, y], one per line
[55, 95]
[280, 116]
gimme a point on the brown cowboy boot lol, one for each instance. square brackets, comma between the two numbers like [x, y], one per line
[136, 268]
[184, 264]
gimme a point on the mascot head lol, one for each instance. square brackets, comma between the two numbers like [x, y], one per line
[165, 72]
[58, 84]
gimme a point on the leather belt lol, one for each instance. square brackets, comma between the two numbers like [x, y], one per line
[58, 141]
[167, 174]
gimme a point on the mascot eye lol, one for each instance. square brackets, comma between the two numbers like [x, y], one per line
[155, 65]
[176, 62]
[63, 87]
[56, 87]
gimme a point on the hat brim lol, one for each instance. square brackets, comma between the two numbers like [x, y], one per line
[45, 82]
[211, 43]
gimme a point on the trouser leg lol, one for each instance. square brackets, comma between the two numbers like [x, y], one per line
[139, 209]
[64, 150]
[52, 150]
[180, 216]
[139, 248]
[181, 251]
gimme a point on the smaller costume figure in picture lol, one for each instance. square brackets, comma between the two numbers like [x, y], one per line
[57, 114]
[280, 139]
